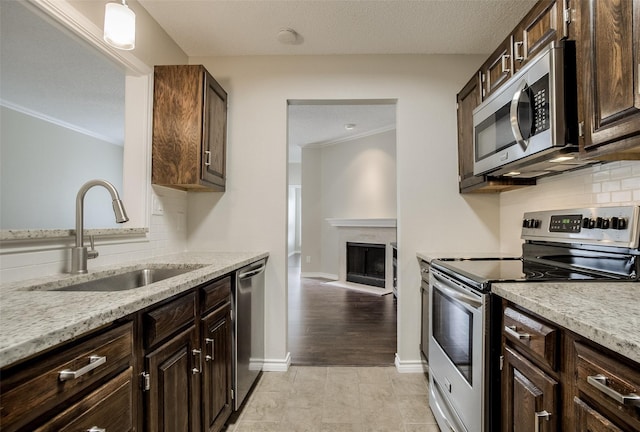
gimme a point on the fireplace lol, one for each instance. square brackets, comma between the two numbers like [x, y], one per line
[366, 263]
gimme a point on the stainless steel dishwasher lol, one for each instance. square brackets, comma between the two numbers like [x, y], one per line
[247, 303]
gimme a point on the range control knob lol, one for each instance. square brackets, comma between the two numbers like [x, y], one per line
[614, 223]
[605, 224]
[598, 222]
[531, 223]
[585, 223]
[622, 223]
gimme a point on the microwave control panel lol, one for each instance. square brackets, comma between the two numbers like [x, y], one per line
[540, 104]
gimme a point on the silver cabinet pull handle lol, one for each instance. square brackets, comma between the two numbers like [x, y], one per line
[207, 160]
[513, 332]
[94, 362]
[540, 415]
[517, 56]
[505, 69]
[212, 356]
[197, 352]
[96, 429]
[600, 382]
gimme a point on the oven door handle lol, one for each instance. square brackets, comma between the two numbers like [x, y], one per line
[458, 295]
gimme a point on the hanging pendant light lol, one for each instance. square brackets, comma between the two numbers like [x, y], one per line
[120, 26]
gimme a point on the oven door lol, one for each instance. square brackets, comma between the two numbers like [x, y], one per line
[457, 352]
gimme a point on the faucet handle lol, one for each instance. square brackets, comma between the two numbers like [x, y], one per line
[93, 253]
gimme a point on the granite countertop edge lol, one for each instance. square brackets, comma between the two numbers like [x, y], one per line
[33, 318]
[605, 313]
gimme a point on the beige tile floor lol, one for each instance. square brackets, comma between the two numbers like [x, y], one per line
[337, 399]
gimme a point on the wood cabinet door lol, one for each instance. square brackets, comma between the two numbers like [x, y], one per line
[497, 69]
[528, 393]
[177, 125]
[541, 26]
[468, 99]
[609, 52]
[173, 399]
[590, 420]
[216, 376]
[214, 132]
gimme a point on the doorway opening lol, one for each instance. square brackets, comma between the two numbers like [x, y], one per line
[342, 164]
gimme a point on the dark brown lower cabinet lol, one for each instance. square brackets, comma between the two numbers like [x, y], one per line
[531, 399]
[173, 391]
[216, 374]
[590, 420]
[166, 368]
[556, 380]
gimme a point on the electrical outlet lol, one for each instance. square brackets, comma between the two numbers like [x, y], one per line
[156, 206]
[308, 259]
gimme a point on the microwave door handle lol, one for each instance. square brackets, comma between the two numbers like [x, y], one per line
[515, 126]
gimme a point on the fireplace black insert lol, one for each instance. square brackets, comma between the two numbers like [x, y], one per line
[366, 263]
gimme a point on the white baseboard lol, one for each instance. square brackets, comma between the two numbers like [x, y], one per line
[277, 365]
[293, 253]
[411, 366]
[319, 275]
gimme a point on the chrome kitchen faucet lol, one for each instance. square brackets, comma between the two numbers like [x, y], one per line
[79, 253]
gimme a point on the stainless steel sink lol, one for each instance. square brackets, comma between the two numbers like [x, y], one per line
[128, 280]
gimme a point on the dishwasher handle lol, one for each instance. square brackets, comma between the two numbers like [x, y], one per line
[251, 273]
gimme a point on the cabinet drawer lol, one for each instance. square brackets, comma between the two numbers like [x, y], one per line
[109, 408]
[40, 386]
[532, 335]
[215, 293]
[162, 322]
[608, 381]
[588, 419]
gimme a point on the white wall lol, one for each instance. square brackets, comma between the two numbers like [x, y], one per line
[431, 214]
[357, 179]
[311, 212]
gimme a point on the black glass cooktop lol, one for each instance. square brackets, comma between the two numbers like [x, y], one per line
[482, 272]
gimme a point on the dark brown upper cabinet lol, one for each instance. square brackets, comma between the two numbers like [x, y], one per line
[189, 129]
[498, 68]
[608, 53]
[546, 22]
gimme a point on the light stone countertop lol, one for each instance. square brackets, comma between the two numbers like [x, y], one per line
[33, 320]
[48, 234]
[607, 313]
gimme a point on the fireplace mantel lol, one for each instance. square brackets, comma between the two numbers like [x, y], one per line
[364, 223]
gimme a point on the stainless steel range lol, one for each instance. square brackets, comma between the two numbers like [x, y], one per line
[465, 327]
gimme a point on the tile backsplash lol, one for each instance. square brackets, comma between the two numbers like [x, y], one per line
[607, 184]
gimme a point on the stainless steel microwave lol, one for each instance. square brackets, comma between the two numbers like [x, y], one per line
[527, 124]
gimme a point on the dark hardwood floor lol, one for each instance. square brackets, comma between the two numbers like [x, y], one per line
[330, 326]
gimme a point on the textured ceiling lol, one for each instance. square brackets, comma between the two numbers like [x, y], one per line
[250, 27]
